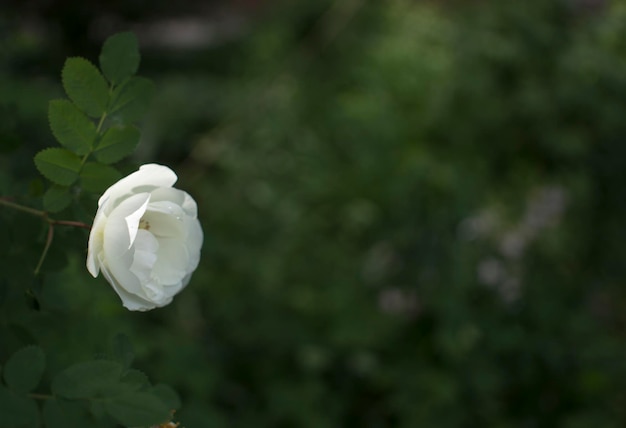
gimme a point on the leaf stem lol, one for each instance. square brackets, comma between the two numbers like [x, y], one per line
[41, 396]
[45, 248]
[98, 129]
[102, 118]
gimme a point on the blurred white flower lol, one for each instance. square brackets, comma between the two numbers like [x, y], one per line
[145, 238]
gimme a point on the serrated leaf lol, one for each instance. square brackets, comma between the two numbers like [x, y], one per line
[91, 379]
[120, 57]
[56, 198]
[96, 177]
[117, 143]
[85, 86]
[131, 100]
[16, 410]
[71, 127]
[23, 370]
[123, 349]
[58, 165]
[138, 409]
[167, 396]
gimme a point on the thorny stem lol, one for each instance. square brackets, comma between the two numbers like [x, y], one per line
[51, 223]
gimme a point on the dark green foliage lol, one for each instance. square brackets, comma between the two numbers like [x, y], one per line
[416, 226]
[85, 86]
[23, 371]
[72, 129]
[109, 136]
[123, 394]
[57, 198]
[17, 410]
[131, 100]
[117, 143]
[34, 307]
[58, 165]
[96, 177]
[120, 57]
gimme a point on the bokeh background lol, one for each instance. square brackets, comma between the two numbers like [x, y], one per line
[414, 211]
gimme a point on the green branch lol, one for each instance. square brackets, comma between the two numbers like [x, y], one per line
[51, 223]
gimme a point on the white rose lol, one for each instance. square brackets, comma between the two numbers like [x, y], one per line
[145, 238]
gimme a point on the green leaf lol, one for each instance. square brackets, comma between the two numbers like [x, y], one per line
[138, 409]
[167, 396]
[120, 57]
[16, 410]
[123, 349]
[91, 379]
[24, 369]
[58, 165]
[117, 143]
[85, 86]
[71, 127]
[96, 177]
[57, 198]
[135, 379]
[132, 99]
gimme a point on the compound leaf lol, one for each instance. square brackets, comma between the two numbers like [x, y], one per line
[117, 143]
[131, 100]
[71, 127]
[85, 86]
[58, 165]
[120, 57]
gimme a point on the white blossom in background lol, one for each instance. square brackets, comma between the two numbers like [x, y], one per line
[544, 210]
[145, 238]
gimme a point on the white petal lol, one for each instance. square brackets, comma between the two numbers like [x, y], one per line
[132, 221]
[96, 239]
[178, 197]
[118, 252]
[157, 294]
[195, 237]
[130, 301]
[146, 247]
[147, 178]
[117, 231]
[173, 260]
[165, 219]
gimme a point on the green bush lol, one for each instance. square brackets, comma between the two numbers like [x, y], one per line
[413, 218]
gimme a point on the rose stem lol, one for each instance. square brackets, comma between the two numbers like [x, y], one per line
[51, 223]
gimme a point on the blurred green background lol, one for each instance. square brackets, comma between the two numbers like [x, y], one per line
[413, 211]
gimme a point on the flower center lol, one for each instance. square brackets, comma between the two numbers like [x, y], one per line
[144, 224]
